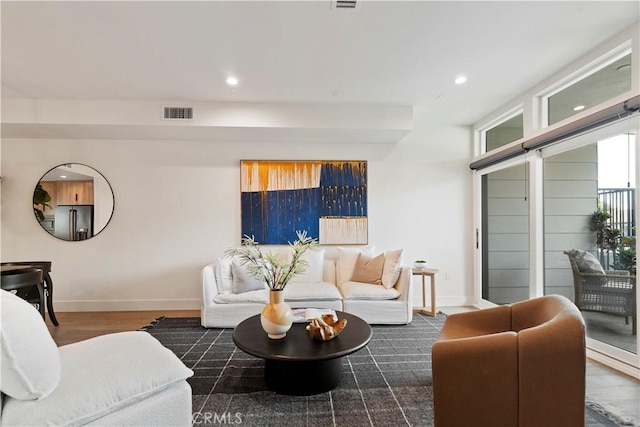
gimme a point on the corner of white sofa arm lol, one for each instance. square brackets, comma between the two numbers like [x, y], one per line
[209, 284]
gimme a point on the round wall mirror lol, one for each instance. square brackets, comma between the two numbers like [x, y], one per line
[73, 202]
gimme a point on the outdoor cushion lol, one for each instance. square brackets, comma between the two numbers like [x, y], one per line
[30, 359]
[587, 263]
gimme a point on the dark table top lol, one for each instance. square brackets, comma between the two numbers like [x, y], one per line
[299, 345]
[12, 265]
[18, 278]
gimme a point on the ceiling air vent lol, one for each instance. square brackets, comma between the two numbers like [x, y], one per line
[345, 4]
[179, 113]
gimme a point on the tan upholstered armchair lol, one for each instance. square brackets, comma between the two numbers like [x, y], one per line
[606, 291]
[515, 365]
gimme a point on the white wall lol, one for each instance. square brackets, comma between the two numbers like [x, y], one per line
[177, 207]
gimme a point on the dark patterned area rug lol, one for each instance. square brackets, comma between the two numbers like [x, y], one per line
[387, 383]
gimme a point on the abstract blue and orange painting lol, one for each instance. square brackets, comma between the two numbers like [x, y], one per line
[328, 199]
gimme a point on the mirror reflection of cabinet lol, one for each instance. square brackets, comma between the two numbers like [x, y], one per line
[81, 202]
[67, 193]
[74, 193]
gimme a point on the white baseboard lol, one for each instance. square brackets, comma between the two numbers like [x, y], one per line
[127, 305]
[456, 301]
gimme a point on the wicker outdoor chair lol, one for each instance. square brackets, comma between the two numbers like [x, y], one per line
[604, 291]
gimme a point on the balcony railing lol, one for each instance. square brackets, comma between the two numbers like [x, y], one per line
[621, 205]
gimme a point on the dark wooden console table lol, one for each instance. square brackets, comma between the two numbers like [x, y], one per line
[298, 364]
[47, 283]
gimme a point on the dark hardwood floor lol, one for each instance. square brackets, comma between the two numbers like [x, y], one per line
[78, 326]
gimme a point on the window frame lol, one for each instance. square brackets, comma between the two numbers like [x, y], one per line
[542, 98]
[481, 132]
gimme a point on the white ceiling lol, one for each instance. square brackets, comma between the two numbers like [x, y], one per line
[381, 53]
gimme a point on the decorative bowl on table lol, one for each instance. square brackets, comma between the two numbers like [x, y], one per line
[326, 328]
[420, 265]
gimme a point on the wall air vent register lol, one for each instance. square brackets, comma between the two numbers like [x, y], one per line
[178, 113]
[345, 4]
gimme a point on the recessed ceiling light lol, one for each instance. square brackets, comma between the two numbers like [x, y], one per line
[578, 108]
[232, 81]
[460, 79]
[63, 176]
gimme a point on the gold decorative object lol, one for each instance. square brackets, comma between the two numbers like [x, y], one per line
[326, 328]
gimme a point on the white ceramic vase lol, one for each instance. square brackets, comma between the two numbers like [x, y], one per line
[276, 317]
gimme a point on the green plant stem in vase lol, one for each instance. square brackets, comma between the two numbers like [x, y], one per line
[276, 318]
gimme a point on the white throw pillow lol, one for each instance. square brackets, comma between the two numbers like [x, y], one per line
[243, 280]
[392, 268]
[30, 359]
[225, 280]
[314, 269]
[346, 261]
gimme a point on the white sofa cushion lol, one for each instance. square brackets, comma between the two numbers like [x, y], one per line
[260, 296]
[30, 359]
[101, 375]
[314, 268]
[311, 291]
[346, 261]
[392, 268]
[367, 291]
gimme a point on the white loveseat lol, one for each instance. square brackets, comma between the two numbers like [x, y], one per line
[326, 283]
[121, 379]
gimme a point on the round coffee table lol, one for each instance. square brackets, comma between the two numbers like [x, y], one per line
[298, 364]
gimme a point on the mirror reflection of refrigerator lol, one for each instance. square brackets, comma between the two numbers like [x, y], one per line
[73, 222]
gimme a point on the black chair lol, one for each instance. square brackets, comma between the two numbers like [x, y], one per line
[28, 283]
[45, 266]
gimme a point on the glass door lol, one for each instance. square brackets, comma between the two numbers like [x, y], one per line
[505, 235]
[590, 235]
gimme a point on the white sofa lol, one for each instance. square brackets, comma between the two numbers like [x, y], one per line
[123, 379]
[326, 283]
